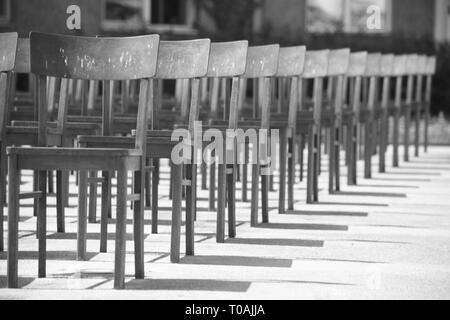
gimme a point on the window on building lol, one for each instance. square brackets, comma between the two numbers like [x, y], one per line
[141, 13]
[5, 11]
[349, 16]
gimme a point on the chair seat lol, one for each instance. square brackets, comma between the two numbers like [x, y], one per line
[72, 152]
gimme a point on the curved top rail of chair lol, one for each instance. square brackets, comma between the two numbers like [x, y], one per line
[262, 61]
[431, 65]
[316, 64]
[89, 58]
[184, 59]
[373, 67]
[23, 63]
[421, 68]
[339, 61]
[357, 64]
[411, 64]
[227, 59]
[8, 48]
[387, 65]
[291, 61]
[399, 65]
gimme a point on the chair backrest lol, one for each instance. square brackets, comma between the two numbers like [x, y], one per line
[411, 64]
[338, 62]
[399, 69]
[422, 65]
[227, 59]
[431, 65]
[316, 64]
[373, 67]
[291, 61]
[85, 58]
[8, 48]
[183, 59]
[357, 64]
[89, 58]
[262, 61]
[387, 65]
[23, 61]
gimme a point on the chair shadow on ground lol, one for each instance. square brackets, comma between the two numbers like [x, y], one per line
[188, 285]
[354, 204]
[414, 173]
[277, 242]
[237, 261]
[303, 226]
[371, 194]
[400, 179]
[89, 236]
[50, 255]
[327, 213]
[343, 260]
[388, 186]
[23, 282]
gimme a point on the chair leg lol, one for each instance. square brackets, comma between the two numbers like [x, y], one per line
[255, 195]
[121, 229]
[406, 134]
[51, 189]
[283, 161]
[221, 194]
[231, 191]
[417, 131]
[301, 157]
[291, 174]
[170, 181]
[3, 163]
[265, 198]
[65, 188]
[395, 142]
[13, 222]
[337, 159]
[138, 225]
[42, 225]
[176, 212]
[93, 199]
[82, 207]
[35, 201]
[245, 175]
[311, 170]
[331, 159]
[368, 150]
[154, 202]
[204, 168]
[106, 200]
[212, 186]
[191, 171]
[60, 202]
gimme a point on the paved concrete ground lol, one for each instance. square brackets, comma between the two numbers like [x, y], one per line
[388, 238]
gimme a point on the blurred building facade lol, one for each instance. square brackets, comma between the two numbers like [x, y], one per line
[184, 18]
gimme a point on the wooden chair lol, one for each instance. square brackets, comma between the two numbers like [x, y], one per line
[187, 60]
[411, 65]
[8, 48]
[419, 107]
[372, 73]
[387, 68]
[316, 68]
[291, 64]
[356, 71]
[337, 69]
[84, 58]
[399, 71]
[430, 71]
[226, 60]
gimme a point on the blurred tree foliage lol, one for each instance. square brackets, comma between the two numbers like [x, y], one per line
[233, 19]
